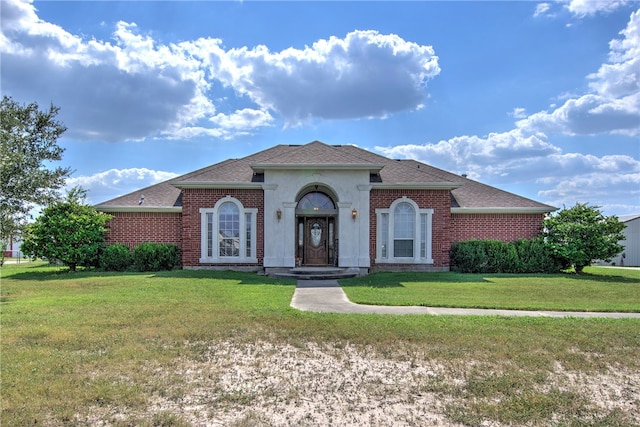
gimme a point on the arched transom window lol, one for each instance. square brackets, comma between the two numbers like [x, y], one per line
[315, 201]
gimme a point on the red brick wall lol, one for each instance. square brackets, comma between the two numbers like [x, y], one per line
[505, 227]
[194, 199]
[438, 200]
[133, 228]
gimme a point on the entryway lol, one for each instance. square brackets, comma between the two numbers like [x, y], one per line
[316, 227]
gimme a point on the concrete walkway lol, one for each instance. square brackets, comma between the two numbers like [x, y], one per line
[326, 296]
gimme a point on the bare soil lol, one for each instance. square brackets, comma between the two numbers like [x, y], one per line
[265, 384]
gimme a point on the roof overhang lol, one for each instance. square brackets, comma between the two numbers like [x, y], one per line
[417, 185]
[209, 184]
[504, 210]
[261, 167]
[159, 209]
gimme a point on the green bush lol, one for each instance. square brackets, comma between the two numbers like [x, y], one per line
[116, 258]
[156, 256]
[494, 256]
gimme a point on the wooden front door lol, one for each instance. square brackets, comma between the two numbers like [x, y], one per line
[316, 238]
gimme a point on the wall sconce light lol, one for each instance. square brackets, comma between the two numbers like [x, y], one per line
[354, 214]
[279, 214]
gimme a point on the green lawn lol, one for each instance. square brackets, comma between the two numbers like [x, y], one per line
[71, 342]
[601, 289]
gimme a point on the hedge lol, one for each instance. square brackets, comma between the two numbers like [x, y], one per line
[116, 258]
[494, 256]
[156, 256]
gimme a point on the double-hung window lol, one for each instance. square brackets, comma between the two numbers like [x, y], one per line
[228, 233]
[404, 233]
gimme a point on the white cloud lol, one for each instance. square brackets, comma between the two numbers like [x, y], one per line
[514, 157]
[114, 182]
[582, 8]
[518, 113]
[542, 9]
[498, 154]
[366, 74]
[133, 87]
[614, 104]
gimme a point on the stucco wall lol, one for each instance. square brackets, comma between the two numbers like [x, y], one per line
[505, 227]
[349, 188]
[194, 199]
[133, 228]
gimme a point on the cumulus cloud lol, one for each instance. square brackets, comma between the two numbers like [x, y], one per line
[582, 8]
[613, 106]
[134, 87]
[515, 156]
[366, 74]
[113, 182]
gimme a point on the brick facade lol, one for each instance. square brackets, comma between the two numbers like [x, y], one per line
[184, 229]
[505, 227]
[133, 228]
[194, 199]
[438, 200]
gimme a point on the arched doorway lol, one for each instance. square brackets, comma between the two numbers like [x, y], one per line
[316, 229]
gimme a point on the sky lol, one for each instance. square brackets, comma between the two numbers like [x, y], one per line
[538, 98]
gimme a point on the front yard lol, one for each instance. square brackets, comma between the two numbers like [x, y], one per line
[219, 348]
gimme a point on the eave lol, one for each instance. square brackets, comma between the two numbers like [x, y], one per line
[155, 209]
[417, 185]
[209, 184]
[504, 210]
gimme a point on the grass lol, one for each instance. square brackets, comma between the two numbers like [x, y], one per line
[601, 289]
[71, 342]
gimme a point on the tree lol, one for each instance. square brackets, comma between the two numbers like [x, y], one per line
[581, 234]
[68, 231]
[28, 142]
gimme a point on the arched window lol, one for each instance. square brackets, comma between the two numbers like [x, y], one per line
[404, 230]
[315, 201]
[404, 233]
[228, 233]
[229, 230]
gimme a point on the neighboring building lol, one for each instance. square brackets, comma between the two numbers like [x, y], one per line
[630, 257]
[320, 205]
[13, 248]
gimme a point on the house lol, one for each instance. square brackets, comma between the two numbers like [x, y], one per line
[630, 256]
[320, 205]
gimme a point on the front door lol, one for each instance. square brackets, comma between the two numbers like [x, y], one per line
[316, 248]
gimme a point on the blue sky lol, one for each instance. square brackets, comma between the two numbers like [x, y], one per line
[538, 98]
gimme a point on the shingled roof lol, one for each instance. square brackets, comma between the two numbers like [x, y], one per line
[246, 172]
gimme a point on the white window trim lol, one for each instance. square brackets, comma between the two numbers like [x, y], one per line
[216, 258]
[416, 259]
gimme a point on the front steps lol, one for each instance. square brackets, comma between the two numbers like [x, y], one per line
[314, 273]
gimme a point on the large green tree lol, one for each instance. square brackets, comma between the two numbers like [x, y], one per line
[69, 231]
[28, 148]
[581, 234]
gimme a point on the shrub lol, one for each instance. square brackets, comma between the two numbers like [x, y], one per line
[116, 258]
[494, 256]
[536, 257]
[156, 256]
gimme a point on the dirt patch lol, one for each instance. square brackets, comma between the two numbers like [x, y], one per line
[311, 385]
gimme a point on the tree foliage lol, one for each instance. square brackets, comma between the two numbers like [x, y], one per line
[581, 234]
[67, 231]
[28, 143]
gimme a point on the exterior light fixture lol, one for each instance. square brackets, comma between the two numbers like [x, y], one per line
[279, 214]
[354, 214]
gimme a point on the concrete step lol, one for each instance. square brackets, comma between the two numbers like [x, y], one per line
[315, 273]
